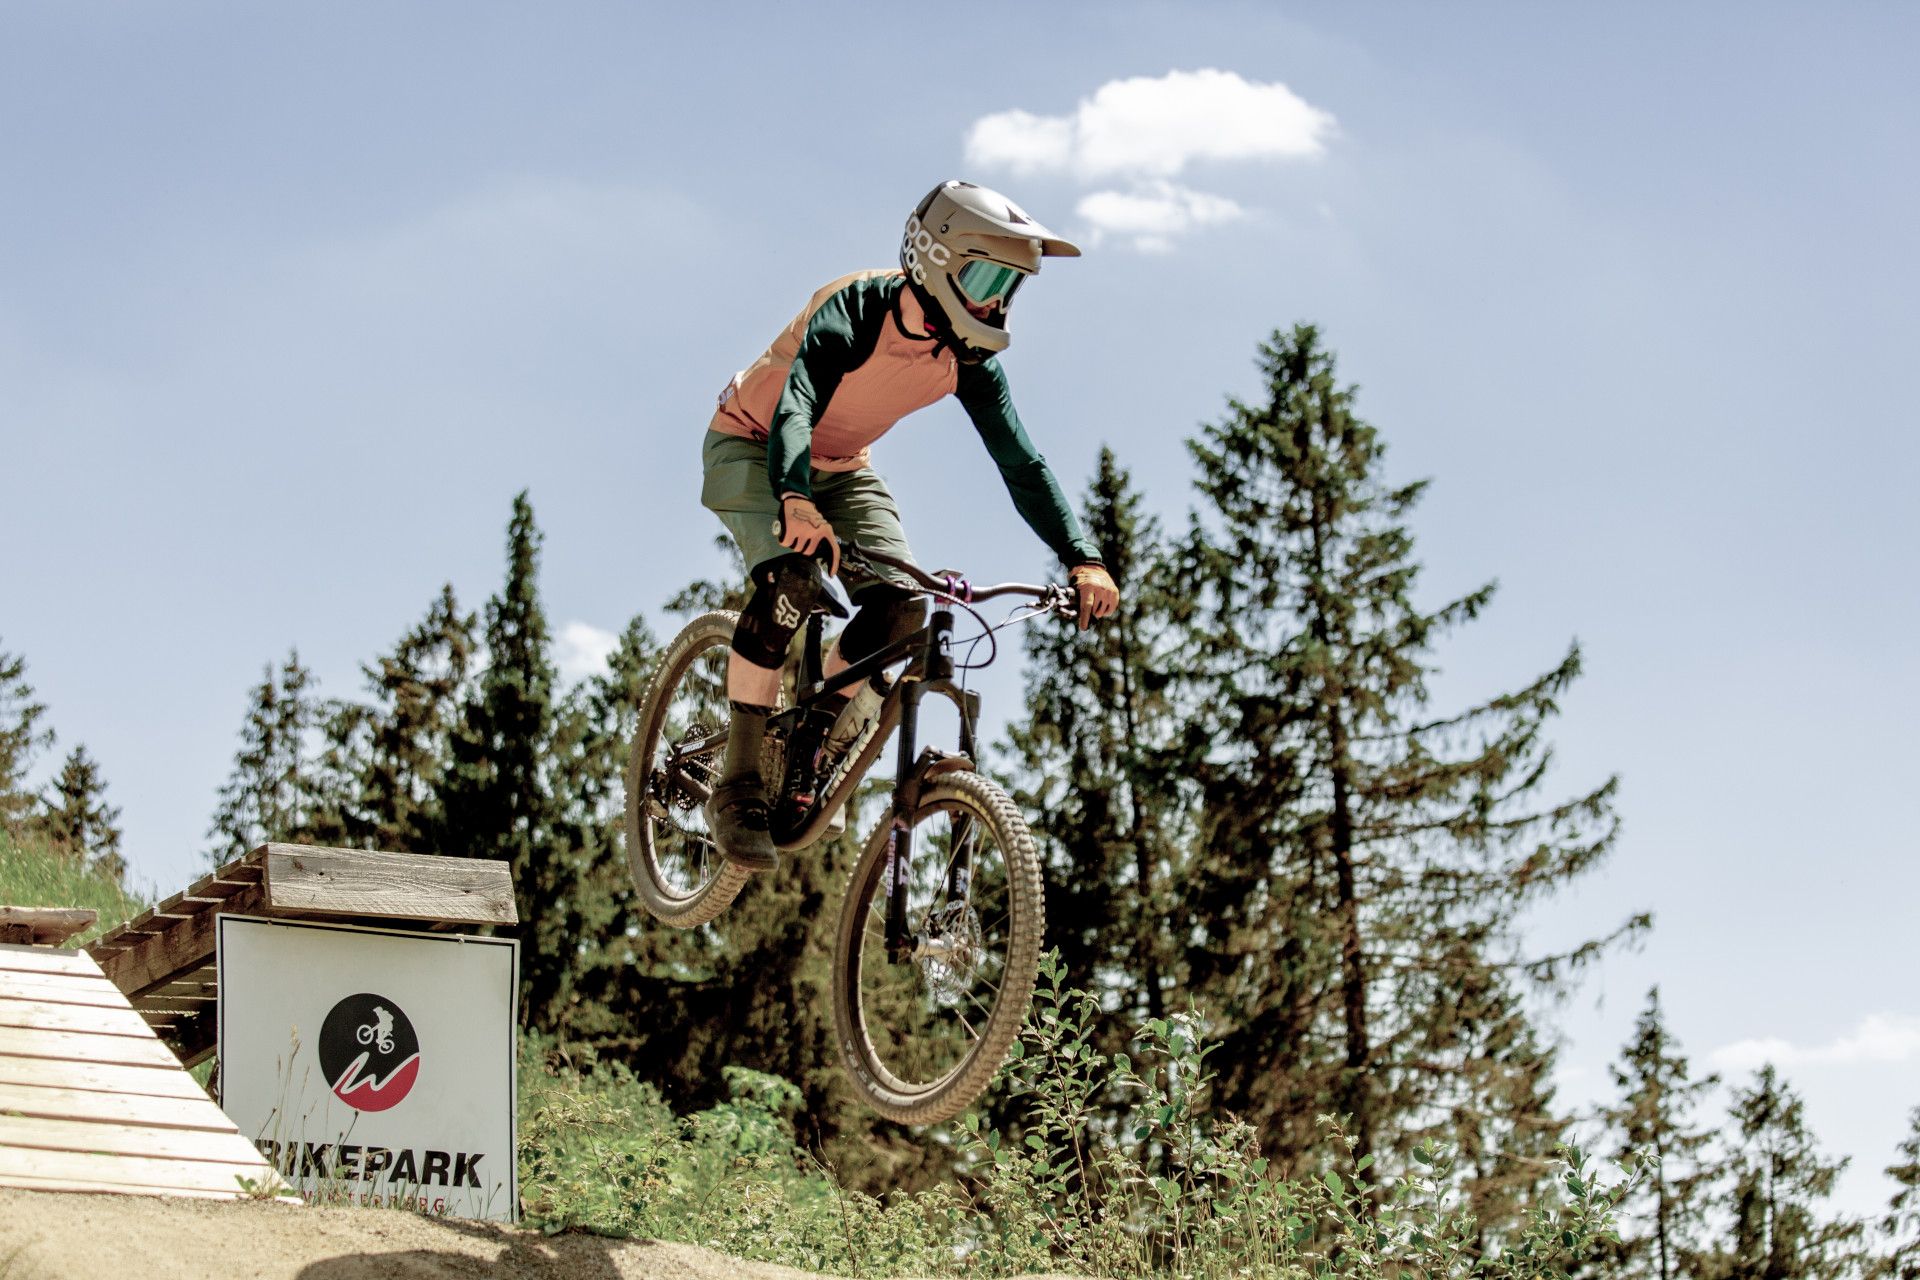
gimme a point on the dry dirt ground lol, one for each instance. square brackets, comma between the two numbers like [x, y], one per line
[50, 1236]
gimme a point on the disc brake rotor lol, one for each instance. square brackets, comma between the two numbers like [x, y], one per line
[950, 952]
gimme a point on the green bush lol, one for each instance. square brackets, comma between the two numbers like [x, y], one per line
[599, 1151]
[1174, 1192]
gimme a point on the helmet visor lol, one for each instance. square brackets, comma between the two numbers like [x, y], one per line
[988, 283]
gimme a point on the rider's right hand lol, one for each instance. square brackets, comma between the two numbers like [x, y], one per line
[804, 529]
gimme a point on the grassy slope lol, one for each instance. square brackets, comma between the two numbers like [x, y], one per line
[32, 875]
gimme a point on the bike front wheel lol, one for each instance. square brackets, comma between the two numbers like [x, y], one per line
[678, 873]
[922, 1035]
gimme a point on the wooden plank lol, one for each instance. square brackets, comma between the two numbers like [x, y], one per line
[48, 926]
[27, 1182]
[72, 1046]
[49, 1103]
[173, 1010]
[45, 960]
[160, 959]
[157, 1082]
[92, 1019]
[392, 886]
[129, 1171]
[175, 998]
[41, 1134]
[232, 879]
[196, 984]
[60, 988]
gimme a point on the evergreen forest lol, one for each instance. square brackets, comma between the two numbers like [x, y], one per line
[1256, 822]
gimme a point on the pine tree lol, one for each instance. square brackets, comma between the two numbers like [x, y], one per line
[393, 750]
[591, 912]
[275, 791]
[1499, 1097]
[78, 819]
[1654, 1116]
[1110, 814]
[1901, 1225]
[1364, 862]
[495, 794]
[21, 739]
[1779, 1179]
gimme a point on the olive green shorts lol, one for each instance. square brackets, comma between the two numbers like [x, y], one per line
[855, 503]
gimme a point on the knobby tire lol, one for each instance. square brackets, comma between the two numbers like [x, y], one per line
[929, 1102]
[725, 880]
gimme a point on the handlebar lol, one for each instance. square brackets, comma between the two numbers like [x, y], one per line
[1053, 596]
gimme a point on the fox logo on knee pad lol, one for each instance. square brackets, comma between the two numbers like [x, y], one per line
[786, 612]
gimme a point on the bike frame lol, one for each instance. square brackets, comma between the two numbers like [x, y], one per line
[929, 671]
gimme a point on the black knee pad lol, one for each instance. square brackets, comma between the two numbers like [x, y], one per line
[785, 590]
[887, 614]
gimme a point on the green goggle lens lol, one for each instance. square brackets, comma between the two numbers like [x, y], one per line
[987, 282]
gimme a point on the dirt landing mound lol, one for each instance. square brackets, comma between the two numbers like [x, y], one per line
[46, 1236]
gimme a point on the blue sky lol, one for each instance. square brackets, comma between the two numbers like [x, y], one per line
[294, 298]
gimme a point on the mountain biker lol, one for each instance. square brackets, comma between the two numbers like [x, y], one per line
[786, 458]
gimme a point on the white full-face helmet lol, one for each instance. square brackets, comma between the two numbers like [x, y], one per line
[965, 252]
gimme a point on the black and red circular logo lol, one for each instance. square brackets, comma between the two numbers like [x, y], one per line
[369, 1052]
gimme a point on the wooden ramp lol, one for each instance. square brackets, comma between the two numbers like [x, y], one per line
[91, 1100]
[163, 958]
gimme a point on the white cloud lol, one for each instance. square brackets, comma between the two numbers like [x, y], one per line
[1153, 214]
[582, 650]
[1140, 132]
[1880, 1038]
[1021, 141]
[1154, 128]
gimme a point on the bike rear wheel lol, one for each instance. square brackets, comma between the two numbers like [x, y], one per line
[921, 1039]
[678, 873]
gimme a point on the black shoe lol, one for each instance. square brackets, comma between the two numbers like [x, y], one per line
[737, 817]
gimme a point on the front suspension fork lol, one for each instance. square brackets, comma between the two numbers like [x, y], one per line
[906, 798]
[909, 773]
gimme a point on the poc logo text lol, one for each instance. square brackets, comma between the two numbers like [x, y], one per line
[919, 244]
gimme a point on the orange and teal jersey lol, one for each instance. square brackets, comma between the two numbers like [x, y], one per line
[855, 361]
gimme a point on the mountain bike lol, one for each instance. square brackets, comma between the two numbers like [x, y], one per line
[939, 934]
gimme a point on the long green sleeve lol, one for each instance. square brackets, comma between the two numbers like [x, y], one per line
[982, 391]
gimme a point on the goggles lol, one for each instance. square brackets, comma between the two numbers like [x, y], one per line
[986, 283]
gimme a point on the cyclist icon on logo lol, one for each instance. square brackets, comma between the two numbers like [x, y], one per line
[380, 1029]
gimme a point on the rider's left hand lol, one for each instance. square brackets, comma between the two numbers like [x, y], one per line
[1099, 597]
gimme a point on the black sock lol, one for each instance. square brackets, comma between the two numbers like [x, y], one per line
[744, 736]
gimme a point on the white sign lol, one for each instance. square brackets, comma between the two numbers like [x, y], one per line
[373, 1065]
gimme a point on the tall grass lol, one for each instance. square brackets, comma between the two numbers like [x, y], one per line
[1174, 1191]
[36, 874]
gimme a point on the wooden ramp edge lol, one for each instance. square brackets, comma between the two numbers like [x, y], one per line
[91, 1100]
[163, 958]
